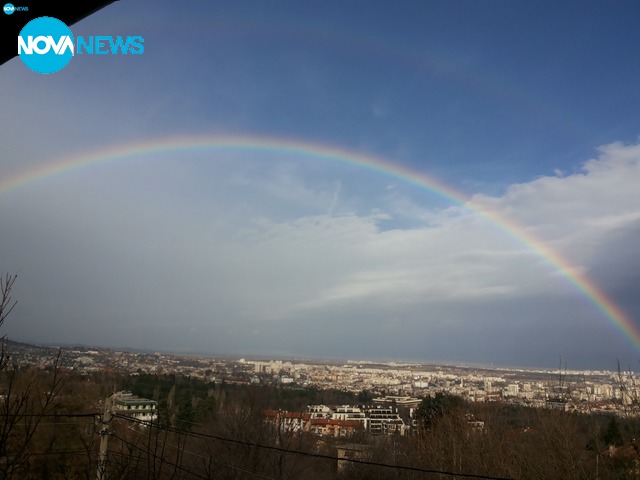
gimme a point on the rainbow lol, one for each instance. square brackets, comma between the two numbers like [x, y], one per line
[334, 154]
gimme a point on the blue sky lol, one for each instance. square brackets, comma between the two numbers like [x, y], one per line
[532, 108]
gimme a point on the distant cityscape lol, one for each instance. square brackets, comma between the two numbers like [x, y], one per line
[587, 391]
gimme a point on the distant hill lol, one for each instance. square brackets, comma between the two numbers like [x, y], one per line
[14, 344]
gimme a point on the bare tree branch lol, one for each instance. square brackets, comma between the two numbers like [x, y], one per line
[7, 304]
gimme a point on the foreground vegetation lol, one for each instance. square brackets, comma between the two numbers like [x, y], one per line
[218, 431]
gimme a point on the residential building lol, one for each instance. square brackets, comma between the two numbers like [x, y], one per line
[142, 409]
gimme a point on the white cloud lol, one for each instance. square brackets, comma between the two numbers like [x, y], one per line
[575, 212]
[218, 254]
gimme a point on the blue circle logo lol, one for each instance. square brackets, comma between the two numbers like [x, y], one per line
[45, 45]
[9, 9]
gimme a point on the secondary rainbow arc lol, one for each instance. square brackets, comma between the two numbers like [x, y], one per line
[581, 282]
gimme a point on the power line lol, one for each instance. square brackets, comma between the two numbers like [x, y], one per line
[18, 417]
[175, 465]
[55, 452]
[60, 452]
[64, 415]
[316, 455]
[41, 424]
[233, 467]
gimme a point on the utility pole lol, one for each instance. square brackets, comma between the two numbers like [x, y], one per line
[105, 419]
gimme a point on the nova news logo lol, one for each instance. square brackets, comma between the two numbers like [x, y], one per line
[9, 9]
[46, 45]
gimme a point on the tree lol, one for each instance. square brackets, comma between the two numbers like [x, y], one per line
[186, 415]
[612, 435]
[433, 408]
[365, 397]
[7, 304]
[28, 395]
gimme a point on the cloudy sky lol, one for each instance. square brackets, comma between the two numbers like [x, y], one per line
[530, 110]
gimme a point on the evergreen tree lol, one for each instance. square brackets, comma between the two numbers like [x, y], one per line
[433, 408]
[613, 435]
[186, 414]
